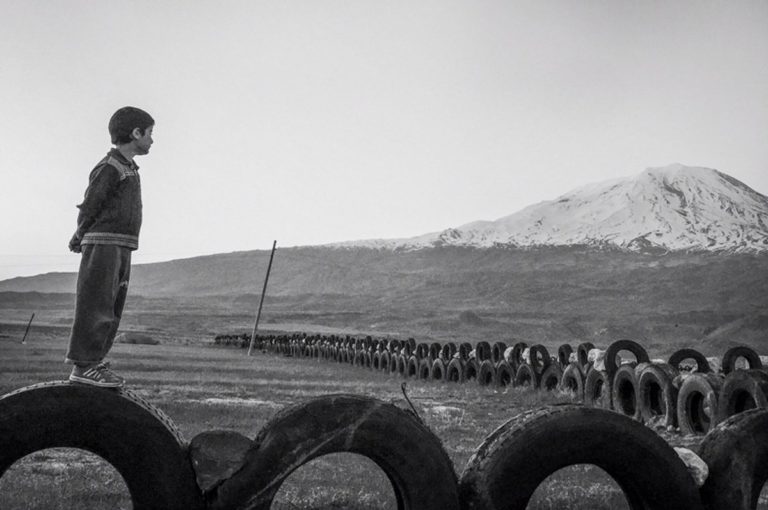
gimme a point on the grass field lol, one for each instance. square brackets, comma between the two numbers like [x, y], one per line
[202, 387]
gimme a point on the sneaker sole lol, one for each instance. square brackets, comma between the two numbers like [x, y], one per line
[91, 382]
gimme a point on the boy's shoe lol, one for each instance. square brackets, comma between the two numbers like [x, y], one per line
[104, 366]
[96, 375]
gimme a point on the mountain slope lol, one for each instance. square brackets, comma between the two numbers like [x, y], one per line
[674, 208]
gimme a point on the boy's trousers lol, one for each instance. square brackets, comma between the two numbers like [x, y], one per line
[102, 285]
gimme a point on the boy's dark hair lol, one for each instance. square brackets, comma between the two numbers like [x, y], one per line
[125, 120]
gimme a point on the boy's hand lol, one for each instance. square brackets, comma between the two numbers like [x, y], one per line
[74, 244]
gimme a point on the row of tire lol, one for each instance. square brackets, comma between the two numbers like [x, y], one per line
[225, 470]
[684, 393]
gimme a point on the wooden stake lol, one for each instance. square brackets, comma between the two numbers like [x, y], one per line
[261, 302]
[24, 339]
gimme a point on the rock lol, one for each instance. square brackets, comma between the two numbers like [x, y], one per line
[216, 455]
[135, 338]
[597, 358]
[696, 466]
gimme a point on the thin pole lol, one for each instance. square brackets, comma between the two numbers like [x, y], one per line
[24, 339]
[261, 302]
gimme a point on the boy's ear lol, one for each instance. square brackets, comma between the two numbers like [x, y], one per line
[136, 133]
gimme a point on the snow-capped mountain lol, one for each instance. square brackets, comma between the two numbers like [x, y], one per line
[671, 208]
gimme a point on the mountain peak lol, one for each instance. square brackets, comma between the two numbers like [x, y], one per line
[670, 208]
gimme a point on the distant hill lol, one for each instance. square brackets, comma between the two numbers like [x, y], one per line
[673, 208]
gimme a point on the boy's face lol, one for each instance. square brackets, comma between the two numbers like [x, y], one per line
[143, 141]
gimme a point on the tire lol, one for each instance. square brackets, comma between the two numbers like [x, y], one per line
[550, 379]
[573, 380]
[391, 437]
[360, 358]
[497, 351]
[582, 353]
[384, 360]
[402, 366]
[517, 457]
[697, 403]
[376, 361]
[540, 359]
[504, 375]
[613, 350]
[482, 351]
[471, 370]
[422, 351]
[437, 370]
[564, 355]
[517, 353]
[597, 389]
[487, 373]
[702, 365]
[624, 393]
[412, 370]
[742, 390]
[740, 351]
[368, 361]
[526, 376]
[657, 396]
[464, 349]
[425, 368]
[448, 351]
[434, 350]
[137, 439]
[736, 453]
[455, 371]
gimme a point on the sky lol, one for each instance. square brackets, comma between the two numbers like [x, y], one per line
[317, 121]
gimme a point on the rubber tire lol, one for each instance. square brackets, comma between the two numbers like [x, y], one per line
[482, 351]
[742, 390]
[512, 462]
[437, 371]
[597, 389]
[657, 396]
[551, 378]
[401, 366]
[454, 372]
[448, 350]
[425, 369]
[582, 353]
[464, 349]
[422, 351]
[696, 391]
[702, 365]
[526, 376]
[517, 354]
[497, 351]
[396, 440]
[384, 360]
[412, 370]
[736, 452]
[564, 355]
[573, 380]
[471, 370]
[141, 442]
[740, 351]
[539, 365]
[435, 348]
[376, 361]
[487, 373]
[624, 394]
[641, 355]
[504, 375]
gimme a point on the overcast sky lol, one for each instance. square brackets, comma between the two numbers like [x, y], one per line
[318, 121]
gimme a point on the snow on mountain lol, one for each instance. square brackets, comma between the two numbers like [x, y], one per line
[672, 208]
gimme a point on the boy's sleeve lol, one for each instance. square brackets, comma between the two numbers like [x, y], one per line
[101, 184]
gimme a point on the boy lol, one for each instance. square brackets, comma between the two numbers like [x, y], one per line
[107, 231]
